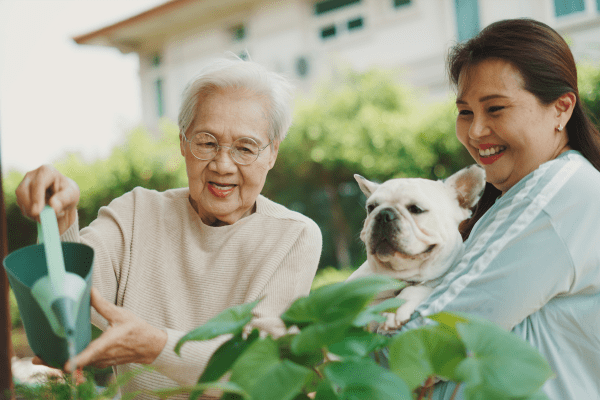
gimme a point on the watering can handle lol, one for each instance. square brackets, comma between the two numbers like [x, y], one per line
[48, 234]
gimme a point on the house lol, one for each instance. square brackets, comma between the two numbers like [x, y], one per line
[308, 39]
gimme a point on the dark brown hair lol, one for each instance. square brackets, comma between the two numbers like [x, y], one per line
[548, 70]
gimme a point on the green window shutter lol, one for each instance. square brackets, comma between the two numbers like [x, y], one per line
[467, 18]
[565, 7]
[160, 107]
[325, 6]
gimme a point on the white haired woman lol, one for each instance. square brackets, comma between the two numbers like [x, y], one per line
[166, 262]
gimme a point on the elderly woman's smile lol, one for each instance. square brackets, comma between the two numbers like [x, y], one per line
[230, 129]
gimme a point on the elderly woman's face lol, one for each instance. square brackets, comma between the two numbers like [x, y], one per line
[222, 191]
[504, 127]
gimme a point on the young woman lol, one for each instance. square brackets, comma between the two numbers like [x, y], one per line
[532, 258]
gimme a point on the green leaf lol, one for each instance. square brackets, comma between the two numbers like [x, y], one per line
[320, 335]
[430, 350]
[358, 342]
[325, 391]
[373, 313]
[308, 359]
[338, 300]
[449, 319]
[507, 365]
[232, 320]
[225, 356]
[197, 390]
[363, 379]
[261, 373]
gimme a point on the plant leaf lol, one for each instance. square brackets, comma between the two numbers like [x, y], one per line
[338, 300]
[308, 359]
[373, 313]
[506, 364]
[261, 373]
[320, 335]
[231, 320]
[224, 357]
[364, 379]
[358, 343]
[430, 350]
[325, 391]
[196, 390]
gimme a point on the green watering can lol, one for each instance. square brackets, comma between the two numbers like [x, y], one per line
[52, 282]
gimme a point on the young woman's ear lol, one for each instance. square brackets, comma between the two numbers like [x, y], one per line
[564, 106]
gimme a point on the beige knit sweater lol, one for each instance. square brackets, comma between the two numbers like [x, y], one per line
[155, 257]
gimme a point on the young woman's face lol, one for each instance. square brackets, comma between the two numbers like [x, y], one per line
[504, 127]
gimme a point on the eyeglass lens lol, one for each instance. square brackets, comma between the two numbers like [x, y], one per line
[205, 146]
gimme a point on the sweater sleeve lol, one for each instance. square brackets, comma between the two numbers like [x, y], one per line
[292, 279]
[507, 285]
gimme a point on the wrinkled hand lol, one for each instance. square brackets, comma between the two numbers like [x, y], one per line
[129, 339]
[46, 185]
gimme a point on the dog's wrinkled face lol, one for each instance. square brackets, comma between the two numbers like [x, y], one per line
[412, 224]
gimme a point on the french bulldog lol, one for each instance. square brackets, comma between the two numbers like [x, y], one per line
[411, 232]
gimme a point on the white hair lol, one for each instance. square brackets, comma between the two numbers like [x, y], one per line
[247, 75]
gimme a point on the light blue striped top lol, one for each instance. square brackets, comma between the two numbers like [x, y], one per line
[532, 265]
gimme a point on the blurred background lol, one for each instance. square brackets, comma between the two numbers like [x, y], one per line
[94, 86]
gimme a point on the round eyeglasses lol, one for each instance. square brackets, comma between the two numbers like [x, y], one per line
[244, 151]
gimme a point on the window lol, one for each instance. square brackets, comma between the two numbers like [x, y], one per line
[355, 24]
[328, 32]
[238, 33]
[565, 7]
[467, 18]
[160, 108]
[156, 60]
[325, 6]
[401, 3]
[302, 67]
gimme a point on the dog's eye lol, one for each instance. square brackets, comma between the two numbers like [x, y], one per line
[415, 209]
[371, 207]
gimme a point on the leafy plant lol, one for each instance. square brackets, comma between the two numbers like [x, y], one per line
[330, 354]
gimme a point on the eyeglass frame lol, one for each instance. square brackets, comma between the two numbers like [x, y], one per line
[189, 141]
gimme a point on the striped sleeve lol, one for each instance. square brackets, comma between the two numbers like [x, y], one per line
[515, 261]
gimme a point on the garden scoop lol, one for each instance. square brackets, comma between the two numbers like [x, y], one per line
[52, 282]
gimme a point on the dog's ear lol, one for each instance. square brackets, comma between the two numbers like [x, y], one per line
[365, 185]
[468, 183]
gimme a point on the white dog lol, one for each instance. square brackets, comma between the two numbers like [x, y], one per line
[411, 232]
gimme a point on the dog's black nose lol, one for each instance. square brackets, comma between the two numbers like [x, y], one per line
[386, 215]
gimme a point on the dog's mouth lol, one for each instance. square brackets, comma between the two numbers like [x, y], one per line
[385, 250]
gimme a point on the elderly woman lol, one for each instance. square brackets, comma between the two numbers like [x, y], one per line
[532, 261]
[166, 262]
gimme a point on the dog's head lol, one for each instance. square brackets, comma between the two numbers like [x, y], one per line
[411, 227]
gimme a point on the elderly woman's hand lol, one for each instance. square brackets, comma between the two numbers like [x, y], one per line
[128, 340]
[46, 185]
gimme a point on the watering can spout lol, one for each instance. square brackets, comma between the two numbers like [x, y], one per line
[64, 311]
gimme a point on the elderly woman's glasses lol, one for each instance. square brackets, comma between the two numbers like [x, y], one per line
[205, 146]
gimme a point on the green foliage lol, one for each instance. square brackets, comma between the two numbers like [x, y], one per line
[329, 275]
[331, 353]
[589, 88]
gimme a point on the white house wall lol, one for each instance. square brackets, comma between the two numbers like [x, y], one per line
[412, 40]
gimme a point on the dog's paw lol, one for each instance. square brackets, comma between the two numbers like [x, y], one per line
[402, 315]
[390, 323]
